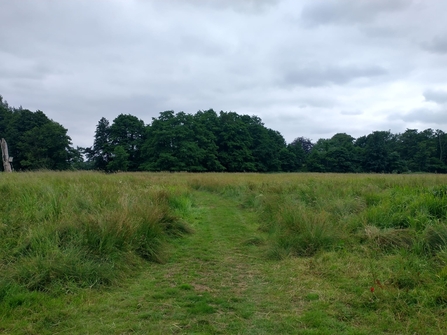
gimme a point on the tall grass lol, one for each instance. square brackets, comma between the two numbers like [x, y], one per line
[60, 231]
[364, 253]
[381, 240]
[306, 213]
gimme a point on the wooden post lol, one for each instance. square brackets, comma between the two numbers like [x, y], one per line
[5, 156]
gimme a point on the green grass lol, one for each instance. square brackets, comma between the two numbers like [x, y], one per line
[88, 253]
[62, 230]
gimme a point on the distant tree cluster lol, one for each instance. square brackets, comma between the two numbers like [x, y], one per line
[381, 152]
[226, 141]
[205, 141]
[211, 141]
[35, 141]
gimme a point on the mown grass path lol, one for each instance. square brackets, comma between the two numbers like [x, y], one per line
[214, 283]
[219, 280]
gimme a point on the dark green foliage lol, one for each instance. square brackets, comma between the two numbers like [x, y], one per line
[120, 161]
[234, 141]
[208, 141]
[101, 152]
[172, 144]
[34, 141]
[337, 154]
[127, 132]
[298, 152]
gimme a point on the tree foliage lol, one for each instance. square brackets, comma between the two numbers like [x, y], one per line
[211, 141]
[34, 141]
[227, 141]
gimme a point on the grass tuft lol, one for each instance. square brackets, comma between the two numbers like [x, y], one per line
[68, 230]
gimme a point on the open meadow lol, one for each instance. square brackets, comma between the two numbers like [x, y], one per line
[216, 253]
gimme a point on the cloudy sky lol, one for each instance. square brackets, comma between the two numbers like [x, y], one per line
[308, 68]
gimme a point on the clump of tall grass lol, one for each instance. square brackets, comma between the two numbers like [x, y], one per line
[65, 230]
[387, 239]
[305, 214]
[435, 237]
[295, 229]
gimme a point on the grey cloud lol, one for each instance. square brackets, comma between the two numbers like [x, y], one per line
[244, 6]
[320, 76]
[321, 12]
[437, 45]
[321, 101]
[351, 112]
[19, 70]
[145, 107]
[80, 60]
[431, 118]
[437, 96]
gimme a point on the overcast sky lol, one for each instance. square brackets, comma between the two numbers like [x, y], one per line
[309, 68]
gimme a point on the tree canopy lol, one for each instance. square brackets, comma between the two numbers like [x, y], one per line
[211, 141]
[227, 141]
[34, 141]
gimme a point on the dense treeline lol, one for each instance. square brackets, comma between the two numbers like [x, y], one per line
[35, 141]
[226, 141]
[211, 141]
[205, 141]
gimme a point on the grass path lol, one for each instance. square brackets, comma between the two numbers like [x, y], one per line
[214, 283]
[217, 283]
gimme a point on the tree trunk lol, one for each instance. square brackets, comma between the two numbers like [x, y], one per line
[5, 156]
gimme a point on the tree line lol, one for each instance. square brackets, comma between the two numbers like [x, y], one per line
[210, 141]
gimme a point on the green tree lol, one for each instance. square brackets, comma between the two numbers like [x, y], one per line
[101, 152]
[316, 161]
[234, 141]
[5, 115]
[440, 163]
[266, 145]
[337, 154]
[76, 159]
[34, 141]
[289, 161]
[127, 131]
[171, 144]
[120, 160]
[379, 151]
[422, 151]
[45, 147]
[205, 127]
[301, 148]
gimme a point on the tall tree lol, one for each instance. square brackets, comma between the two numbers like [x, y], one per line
[206, 127]
[120, 161]
[35, 141]
[336, 154]
[266, 145]
[101, 152]
[44, 147]
[127, 131]
[380, 152]
[234, 141]
[171, 144]
[301, 148]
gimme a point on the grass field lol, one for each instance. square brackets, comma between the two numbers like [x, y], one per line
[90, 253]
